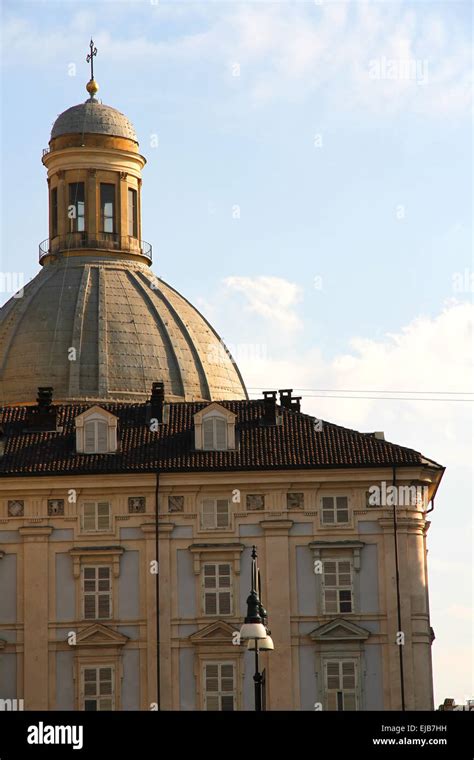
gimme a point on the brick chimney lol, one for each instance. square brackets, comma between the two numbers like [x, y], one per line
[156, 402]
[269, 407]
[288, 401]
[42, 417]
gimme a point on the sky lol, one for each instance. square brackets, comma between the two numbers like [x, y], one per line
[309, 189]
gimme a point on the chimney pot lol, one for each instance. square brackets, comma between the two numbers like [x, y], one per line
[157, 400]
[269, 405]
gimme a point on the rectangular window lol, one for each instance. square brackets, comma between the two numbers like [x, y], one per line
[77, 207]
[132, 213]
[214, 432]
[97, 592]
[337, 579]
[219, 686]
[54, 212]
[95, 516]
[97, 689]
[215, 514]
[341, 684]
[107, 208]
[95, 437]
[217, 582]
[335, 510]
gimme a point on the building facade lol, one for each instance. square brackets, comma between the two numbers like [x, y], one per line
[142, 420]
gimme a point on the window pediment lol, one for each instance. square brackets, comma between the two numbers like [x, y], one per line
[339, 630]
[218, 632]
[214, 428]
[96, 431]
[99, 635]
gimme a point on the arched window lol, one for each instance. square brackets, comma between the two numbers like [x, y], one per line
[214, 433]
[95, 437]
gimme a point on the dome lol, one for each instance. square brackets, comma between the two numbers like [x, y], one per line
[93, 117]
[101, 329]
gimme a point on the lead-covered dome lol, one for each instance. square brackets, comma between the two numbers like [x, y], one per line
[93, 117]
[103, 330]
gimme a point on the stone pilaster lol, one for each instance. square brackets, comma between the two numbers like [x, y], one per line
[35, 616]
[276, 599]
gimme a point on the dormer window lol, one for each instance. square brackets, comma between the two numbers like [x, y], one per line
[96, 432]
[95, 437]
[214, 428]
[214, 431]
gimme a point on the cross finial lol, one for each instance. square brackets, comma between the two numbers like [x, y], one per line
[90, 57]
[92, 86]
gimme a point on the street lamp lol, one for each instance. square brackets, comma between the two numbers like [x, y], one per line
[254, 629]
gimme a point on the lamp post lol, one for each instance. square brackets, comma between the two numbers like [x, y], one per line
[254, 629]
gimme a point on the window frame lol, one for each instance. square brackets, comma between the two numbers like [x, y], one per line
[214, 420]
[54, 212]
[218, 590]
[341, 661]
[82, 696]
[77, 223]
[339, 588]
[214, 500]
[96, 505]
[334, 511]
[97, 424]
[103, 202]
[97, 593]
[220, 693]
[132, 212]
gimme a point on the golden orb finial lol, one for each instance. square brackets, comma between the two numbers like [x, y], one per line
[92, 87]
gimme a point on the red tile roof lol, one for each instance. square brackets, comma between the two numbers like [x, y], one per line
[292, 445]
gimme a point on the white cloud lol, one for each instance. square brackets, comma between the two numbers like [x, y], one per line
[272, 298]
[427, 354]
[286, 50]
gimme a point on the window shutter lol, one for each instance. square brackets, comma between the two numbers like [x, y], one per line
[225, 597]
[328, 509]
[210, 603]
[89, 606]
[342, 509]
[89, 437]
[225, 607]
[103, 515]
[90, 683]
[224, 576]
[227, 702]
[208, 514]
[208, 434]
[221, 433]
[88, 516]
[348, 675]
[212, 677]
[210, 596]
[219, 686]
[102, 442]
[349, 701]
[105, 681]
[104, 606]
[222, 513]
